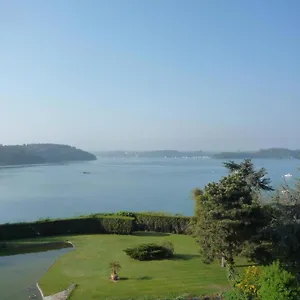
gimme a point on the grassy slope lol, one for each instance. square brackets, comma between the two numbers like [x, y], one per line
[87, 266]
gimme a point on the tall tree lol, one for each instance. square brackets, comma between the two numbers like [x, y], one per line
[285, 228]
[256, 179]
[228, 214]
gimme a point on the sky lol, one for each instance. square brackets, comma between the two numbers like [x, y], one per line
[154, 74]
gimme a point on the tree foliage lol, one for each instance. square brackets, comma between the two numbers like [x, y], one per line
[284, 230]
[277, 283]
[256, 179]
[265, 283]
[41, 153]
[228, 214]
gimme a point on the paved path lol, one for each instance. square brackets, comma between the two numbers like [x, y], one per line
[61, 295]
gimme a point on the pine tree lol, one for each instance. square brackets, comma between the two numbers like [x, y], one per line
[256, 179]
[228, 214]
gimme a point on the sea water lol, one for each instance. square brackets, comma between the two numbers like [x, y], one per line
[19, 274]
[110, 185]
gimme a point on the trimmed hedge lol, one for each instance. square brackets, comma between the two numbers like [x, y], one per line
[103, 224]
[120, 223]
[159, 223]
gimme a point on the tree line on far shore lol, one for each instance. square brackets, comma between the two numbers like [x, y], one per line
[29, 154]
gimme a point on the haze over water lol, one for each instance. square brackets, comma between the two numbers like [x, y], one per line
[133, 184]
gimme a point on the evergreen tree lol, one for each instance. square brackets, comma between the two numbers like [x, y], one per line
[285, 228]
[257, 179]
[228, 214]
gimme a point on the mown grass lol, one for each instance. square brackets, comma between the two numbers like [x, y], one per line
[88, 267]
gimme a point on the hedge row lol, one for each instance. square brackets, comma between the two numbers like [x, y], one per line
[166, 224]
[159, 223]
[103, 224]
[120, 223]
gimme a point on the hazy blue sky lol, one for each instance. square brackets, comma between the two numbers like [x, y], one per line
[156, 74]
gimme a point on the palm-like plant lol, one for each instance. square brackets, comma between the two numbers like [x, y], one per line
[115, 267]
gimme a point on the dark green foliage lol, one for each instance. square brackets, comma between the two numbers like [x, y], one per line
[255, 178]
[260, 253]
[104, 224]
[159, 222]
[41, 153]
[226, 217]
[277, 283]
[168, 224]
[120, 223]
[149, 252]
[169, 245]
[228, 214]
[284, 230]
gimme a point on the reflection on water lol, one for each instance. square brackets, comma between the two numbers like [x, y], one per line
[19, 273]
[14, 248]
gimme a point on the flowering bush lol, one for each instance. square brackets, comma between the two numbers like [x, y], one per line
[266, 283]
[248, 284]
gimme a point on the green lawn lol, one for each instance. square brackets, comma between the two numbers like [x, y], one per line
[88, 266]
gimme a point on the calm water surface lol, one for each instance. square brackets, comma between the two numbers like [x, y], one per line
[19, 273]
[29, 193]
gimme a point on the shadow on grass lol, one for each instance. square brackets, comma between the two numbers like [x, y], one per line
[144, 278]
[185, 256]
[138, 278]
[149, 233]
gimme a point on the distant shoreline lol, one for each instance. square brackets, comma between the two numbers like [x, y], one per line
[271, 153]
[39, 154]
[41, 165]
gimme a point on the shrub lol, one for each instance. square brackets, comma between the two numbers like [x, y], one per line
[277, 283]
[235, 294]
[248, 285]
[149, 252]
[169, 245]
